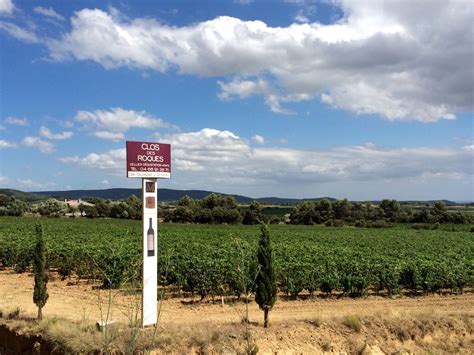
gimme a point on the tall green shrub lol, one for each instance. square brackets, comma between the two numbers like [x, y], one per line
[266, 288]
[40, 292]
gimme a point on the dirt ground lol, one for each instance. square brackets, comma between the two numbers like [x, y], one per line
[437, 323]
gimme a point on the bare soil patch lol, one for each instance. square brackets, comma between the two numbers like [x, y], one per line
[436, 323]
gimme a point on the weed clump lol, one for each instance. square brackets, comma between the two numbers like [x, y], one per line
[353, 322]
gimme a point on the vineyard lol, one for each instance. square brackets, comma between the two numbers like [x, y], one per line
[212, 260]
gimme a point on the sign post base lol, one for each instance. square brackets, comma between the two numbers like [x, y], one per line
[150, 252]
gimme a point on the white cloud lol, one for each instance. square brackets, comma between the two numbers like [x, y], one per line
[4, 179]
[114, 123]
[105, 182]
[49, 12]
[386, 58]
[109, 135]
[242, 88]
[222, 160]
[16, 121]
[36, 142]
[6, 7]
[19, 33]
[258, 139]
[5, 144]
[46, 133]
[29, 184]
[112, 161]
[301, 17]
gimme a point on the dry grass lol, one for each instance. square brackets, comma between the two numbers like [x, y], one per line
[83, 337]
[10, 313]
[420, 332]
[353, 322]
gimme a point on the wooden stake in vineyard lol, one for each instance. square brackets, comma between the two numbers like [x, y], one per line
[266, 289]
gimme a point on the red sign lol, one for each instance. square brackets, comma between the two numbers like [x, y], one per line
[148, 160]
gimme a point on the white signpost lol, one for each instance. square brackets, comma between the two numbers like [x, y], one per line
[149, 161]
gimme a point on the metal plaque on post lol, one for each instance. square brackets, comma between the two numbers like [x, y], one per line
[149, 161]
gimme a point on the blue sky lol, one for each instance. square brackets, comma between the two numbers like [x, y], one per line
[361, 100]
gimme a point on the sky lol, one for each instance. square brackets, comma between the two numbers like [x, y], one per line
[297, 98]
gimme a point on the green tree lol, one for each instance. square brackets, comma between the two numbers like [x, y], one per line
[11, 206]
[40, 292]
[120, 210]
[439, 212]
[52, 207]
[391, 209]
[135, 207]
[342, 209]
[183, 215]
[103, 208]
[186, 201]
[253, 215]
[211, 201]
[89, 211]
[266, 288]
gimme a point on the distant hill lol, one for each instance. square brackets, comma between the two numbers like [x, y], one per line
[289, 201]
[168, 195]
[121, 193]
[25, 196]
[165, 195]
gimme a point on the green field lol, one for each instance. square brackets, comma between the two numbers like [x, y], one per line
[206, 259]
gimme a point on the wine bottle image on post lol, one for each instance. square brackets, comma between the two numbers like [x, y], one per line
[150, 241]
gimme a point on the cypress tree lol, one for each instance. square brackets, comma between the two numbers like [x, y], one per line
[266, 289]
[40, 293]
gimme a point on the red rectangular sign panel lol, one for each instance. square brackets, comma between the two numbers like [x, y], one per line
[148, 160]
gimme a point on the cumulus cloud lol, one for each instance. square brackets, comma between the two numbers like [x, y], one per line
[5, 144]
[220, 158]
[49, 12]
[258, 139]
[112, 124]
[242, 88]
[16, 121]
[112, 161]
[385, 58]
[46, 133]
[36, 142]
[6, 7]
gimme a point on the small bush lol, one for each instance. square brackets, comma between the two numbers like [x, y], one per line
[275, 220]
[353, 322]
[329, 223]
[338, 223]
[418, 226]
[379, 224]
[360, 224]
[11, 314]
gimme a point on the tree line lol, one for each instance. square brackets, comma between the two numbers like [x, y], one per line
[219, 209]
[389, 211]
